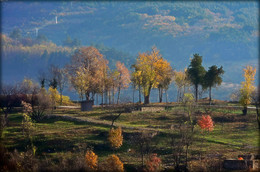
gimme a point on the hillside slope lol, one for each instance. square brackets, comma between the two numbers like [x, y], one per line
[223, 33]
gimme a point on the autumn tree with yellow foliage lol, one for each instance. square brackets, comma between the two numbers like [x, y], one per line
[115, 137]
[182, 82]
[164, 74]
[247, 87]
[87, 72]
[123, 78]
[136, 78]
[151, 71]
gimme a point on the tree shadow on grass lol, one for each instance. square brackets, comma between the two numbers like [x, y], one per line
[53, 119]
[108, 117]
[54, 145]
[163, 118]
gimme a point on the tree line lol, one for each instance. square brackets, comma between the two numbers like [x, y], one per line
[89, 74]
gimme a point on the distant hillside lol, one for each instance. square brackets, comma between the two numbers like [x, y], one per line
[224, 33]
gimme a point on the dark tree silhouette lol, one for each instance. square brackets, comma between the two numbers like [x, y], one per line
[196, 72]
[213, 78]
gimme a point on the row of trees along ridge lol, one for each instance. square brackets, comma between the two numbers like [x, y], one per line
[89, 74]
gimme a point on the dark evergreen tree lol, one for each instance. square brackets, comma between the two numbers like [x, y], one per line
[196, 72]
[213, 78]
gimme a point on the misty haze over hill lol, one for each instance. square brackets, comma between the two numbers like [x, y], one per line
[224, 33]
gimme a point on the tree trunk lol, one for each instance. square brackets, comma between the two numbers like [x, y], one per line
[93, 95]
[87, 96]
[178, 90]
[140, 98]
[196, 92]
[118, 95]
[160, 95]
[60, 97]
[102, 99]
[146, 99]
[134, 95]
[113, 95]
[166, 92]
[109, 97]
[183, 91]
[105, 97]
[97, 99]
[244, 110]
[209, 95]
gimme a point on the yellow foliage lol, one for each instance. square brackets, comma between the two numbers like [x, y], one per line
[247, 87]
[115, 137]
[66, 100]
[163, 73]
[55, 97]
[114, 164]
[152, 71]
[181, 79]
[27, 123]
[91, 160]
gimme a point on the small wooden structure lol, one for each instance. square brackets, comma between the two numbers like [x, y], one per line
[249, 161]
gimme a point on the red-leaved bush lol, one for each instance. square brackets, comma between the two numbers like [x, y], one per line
[154, 163]
[206, 123]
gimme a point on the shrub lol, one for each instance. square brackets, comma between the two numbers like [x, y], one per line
[154, 163]
[27, 124]
[115, 137]
[42, 104]
[206, 123]
[91, 160]
[113, 163]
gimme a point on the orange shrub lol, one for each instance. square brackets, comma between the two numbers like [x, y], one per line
[114, 164]
[206, 123]
[91, 160]
[115, 137]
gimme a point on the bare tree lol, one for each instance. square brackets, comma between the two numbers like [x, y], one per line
[180, 145]
[52, 76]
[61, 81]
[31, 89]
[9, 98]
[143, 143]
[42, 78]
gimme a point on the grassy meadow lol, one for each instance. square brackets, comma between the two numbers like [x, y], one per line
[68, 133]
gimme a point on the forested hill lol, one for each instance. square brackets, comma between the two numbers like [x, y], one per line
[224, 33]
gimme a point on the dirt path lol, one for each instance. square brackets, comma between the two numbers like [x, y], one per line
[102, 122]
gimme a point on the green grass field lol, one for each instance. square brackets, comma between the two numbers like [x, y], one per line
[56, 136]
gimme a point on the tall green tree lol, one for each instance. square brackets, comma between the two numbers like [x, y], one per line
[196, 72]
[213, 78]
